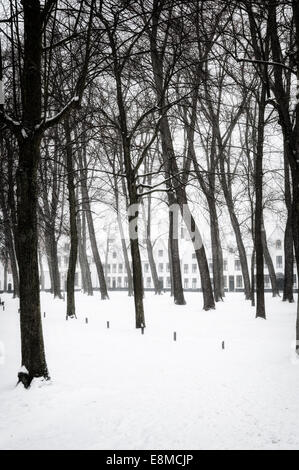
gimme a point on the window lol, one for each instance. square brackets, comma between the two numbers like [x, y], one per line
[194, 268]
[225, 282]
[161, 282]
[119, 281]
[160, 267]
[109, 281]
[146, 268]
[167, 267]
[148, 282]
[239, 281]
[193, 255]
[120, 268]
[186, 283]
[278, 244]
[225, 265]
[237, 265]
[279, 262]
[125, 281]
[194, 283]
[114, 268]
[160, 253]
[114, 254]
[186, 268]
[168, 282]
[108, 268]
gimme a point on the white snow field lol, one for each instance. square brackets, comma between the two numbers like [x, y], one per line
[116, 389]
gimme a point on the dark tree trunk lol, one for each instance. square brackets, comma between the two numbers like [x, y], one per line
[92, 235]
[170, 264]
[176, 276]
[5, 275]
[216, 253]
[55, 266]
[70, 283]
[33, 353]
[258, 222]
[269, 263]
[9, 241]
[288, 238]
[171, 169]
[123, 238]
[126, 258]
[52, 255]
[237, 231]
[41, 272]
[132, 192]
[49, 260]
[290, 130]
[149, 246]
[85, 271]
[153, 267]
[252, 278]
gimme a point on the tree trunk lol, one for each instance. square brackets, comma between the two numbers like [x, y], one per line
[288, 238]
[126, 257]
[237, 231]
[92, 236]
[70, 307]
[33, 353]
[56, 285]
[259, 233]
[178, 292]
[41, 272]
[171, 169]
[216, 253]
[269, 263]
[5, 275]
[9, 242]
[85, 271]
[49, 260]
[122, 236]
[149, 246]
[252, 278]
[170, 265]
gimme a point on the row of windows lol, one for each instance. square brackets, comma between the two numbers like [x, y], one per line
[237, 282]
[164, 267]
[234, 281]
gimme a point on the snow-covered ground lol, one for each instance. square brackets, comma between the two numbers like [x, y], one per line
[116, 389]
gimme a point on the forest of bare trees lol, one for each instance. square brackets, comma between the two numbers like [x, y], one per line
[122, 102]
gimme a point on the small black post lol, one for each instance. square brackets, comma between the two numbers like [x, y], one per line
[222, 344]
[108, 324]
[142, 330]
[44, 314]
[67, 317]
[86, 320]
[174, 336]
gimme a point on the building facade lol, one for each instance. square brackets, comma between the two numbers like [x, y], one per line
[116, 276]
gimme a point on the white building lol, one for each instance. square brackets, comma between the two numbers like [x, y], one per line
[116, 277]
